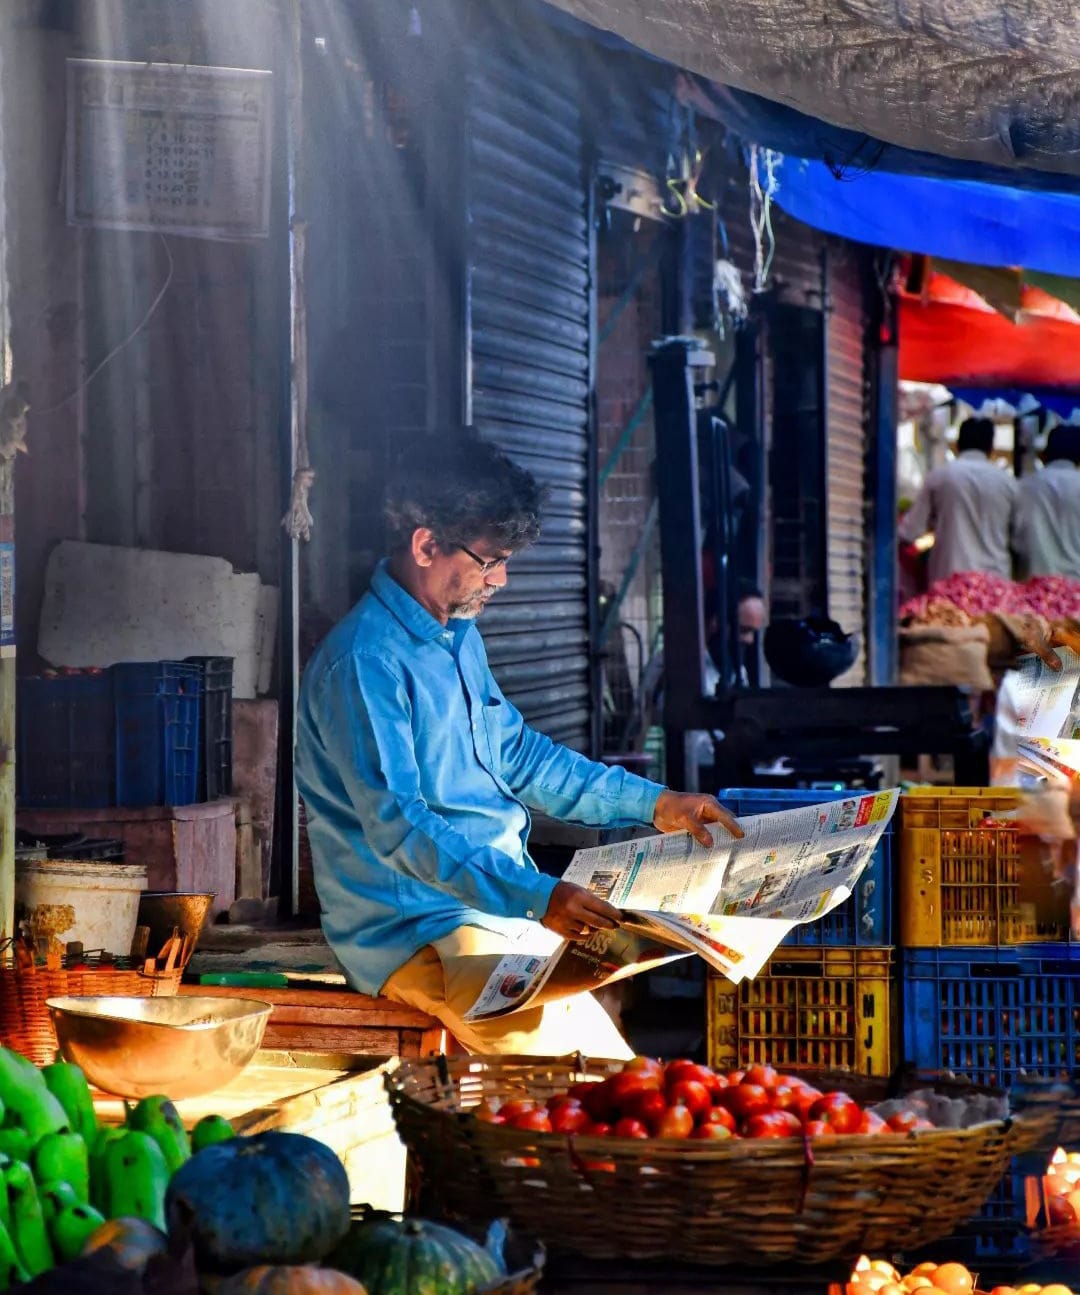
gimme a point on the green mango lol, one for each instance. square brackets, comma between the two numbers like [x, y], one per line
[136, 1176]
[158, 1117]
[72, 1228]
[12, 1271]
[28, 1229]
[27, 1101]
[210, 1130]
[63, 1157]
[68, 1085]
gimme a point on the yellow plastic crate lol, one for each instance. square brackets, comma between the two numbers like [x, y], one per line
[961, 879]
[809, 1009]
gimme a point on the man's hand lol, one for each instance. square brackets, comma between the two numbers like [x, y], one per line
[574, 912]
[1061, 636]
[689, 811]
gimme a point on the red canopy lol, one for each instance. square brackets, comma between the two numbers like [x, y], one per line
[949, 334]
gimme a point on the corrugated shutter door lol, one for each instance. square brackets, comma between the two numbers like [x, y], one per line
[846, 453]
[529, 318]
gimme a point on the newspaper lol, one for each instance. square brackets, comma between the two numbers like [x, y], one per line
[1048, 702]
[731, 903]
[1054, 760]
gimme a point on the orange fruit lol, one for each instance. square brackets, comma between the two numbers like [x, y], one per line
[1056, 1288]
[954, 1279]
[924, 1270]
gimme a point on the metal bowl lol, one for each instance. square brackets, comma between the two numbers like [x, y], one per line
[136, 1047]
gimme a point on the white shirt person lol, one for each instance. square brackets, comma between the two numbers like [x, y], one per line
[968, 505]
[1047, 530]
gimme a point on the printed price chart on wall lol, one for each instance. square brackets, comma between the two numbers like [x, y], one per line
[169, 148]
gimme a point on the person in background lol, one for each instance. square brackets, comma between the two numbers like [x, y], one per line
[968, 506]
[1046, 533]
[418, 774]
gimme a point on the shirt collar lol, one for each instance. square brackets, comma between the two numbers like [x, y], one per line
[403, 605]
[972, 455]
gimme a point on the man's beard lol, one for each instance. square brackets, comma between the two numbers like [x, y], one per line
[470, 609]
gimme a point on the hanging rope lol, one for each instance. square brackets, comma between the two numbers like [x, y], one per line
[761, 197]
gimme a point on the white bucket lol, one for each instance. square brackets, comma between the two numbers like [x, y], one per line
[96, 904]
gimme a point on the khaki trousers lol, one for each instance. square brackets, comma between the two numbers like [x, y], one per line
[444, 979]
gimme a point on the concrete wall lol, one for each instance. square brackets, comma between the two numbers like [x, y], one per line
[176, 443]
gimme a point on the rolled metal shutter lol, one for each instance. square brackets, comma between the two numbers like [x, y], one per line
[846, 446]
[529, 368]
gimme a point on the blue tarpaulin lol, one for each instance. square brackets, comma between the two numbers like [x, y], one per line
[964, 220]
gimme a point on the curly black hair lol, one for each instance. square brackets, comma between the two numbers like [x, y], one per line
[462, 487]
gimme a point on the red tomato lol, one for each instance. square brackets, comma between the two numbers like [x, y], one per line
[676, 1122]
[744, 1100]
[683, 1068]
[807, 1096]
[623, 1086]
[562, 1099]
[722, 1116]
[924, 1126]
[872, 1123]
[711, 1132]
[599, 1102]
[630, 1129]
[773, 1124]
[597, 1129]
[818, 1129]
[516, 1106]
[578, 1092]
[786, 1097]
[766, 1076]
[535, 1121]
[902, 1121]
[488, 1111]
[692, 1094]
[644, 1065]
[646, 1106]
[839, 1110]
[568, 1119]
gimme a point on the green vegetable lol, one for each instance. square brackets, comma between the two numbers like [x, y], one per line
[63, 1157]
[16, 1144]
[209, 1131]
[12, 1270]
[158, 1117]
[72, 1228]
[55, 1197]
[26, 1099]
[136, 1176]
[28, 1229]
[390, 1257]
[99, 1192]
[68, 1085]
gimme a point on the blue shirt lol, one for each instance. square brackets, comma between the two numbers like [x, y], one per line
[417, 776]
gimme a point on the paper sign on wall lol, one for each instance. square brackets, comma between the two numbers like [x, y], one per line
[169, 148]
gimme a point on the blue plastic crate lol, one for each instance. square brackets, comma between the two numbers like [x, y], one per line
[863, 921]
[1000, 1232]
[65, 755]
[992, 1014]
[157, 705]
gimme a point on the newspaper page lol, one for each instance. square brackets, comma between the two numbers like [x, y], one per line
[1048, 702]
[730, 904]
[1057, 760]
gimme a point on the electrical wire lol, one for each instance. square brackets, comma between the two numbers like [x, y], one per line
[159, 297]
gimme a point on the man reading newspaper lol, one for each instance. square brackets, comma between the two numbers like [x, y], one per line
[418, 774]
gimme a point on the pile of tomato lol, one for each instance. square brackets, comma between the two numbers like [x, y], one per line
[682, 1099]
[878, 1277]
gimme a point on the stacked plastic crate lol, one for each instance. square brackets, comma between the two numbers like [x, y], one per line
[136, 734]
[990, 982]
[827, 1000]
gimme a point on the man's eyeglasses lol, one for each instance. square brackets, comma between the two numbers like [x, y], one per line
[485, 564]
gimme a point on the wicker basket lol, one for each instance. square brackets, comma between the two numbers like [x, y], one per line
[1061, 1099]
[761, 1202]
[25, 1023]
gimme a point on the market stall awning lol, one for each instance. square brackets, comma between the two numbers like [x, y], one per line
[949, 334]
[983, 224]
[989, 81]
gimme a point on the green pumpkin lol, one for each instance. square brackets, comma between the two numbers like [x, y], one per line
[414, 1257]
[275, 1198]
